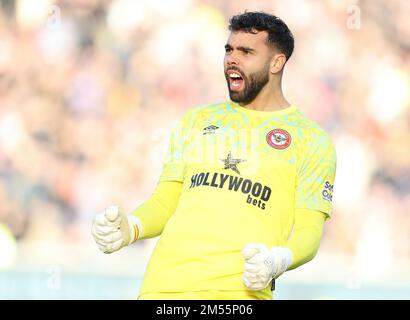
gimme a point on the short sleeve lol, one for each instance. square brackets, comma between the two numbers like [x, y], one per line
[173, 168]
[316, 175]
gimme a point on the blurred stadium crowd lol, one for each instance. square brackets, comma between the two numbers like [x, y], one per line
[89, 90]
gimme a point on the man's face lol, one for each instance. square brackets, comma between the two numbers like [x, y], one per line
[246, 65]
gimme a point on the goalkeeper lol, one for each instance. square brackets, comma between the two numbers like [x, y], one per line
[246, 186]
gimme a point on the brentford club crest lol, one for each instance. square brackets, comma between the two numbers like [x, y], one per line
[278, 139]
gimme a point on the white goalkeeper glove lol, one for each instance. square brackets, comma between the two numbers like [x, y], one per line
[112, 229]
[263, 264]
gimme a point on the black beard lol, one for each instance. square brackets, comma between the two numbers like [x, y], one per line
[253, 85]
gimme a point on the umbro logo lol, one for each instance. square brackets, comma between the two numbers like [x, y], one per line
[210, 129]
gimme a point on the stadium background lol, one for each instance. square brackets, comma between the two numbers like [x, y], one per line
[89, 90]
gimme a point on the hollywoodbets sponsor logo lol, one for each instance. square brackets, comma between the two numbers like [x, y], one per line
[327, 192]
[256, 193]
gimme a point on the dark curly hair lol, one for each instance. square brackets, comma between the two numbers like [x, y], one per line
[279, 35]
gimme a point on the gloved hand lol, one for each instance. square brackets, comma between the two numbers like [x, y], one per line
[112, 229]
[263, 264]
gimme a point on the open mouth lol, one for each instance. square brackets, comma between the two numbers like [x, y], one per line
[236, 81]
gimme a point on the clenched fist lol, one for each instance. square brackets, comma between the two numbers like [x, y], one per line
[263, 264]
[112, 229]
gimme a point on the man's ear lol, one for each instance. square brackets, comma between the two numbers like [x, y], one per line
[277, 63]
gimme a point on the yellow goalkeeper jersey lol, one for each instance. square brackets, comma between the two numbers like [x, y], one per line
[243, 172]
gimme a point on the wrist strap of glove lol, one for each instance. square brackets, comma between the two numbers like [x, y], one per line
[135, 228]
[283, 258]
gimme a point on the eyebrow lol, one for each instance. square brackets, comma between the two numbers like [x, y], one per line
[240, 48]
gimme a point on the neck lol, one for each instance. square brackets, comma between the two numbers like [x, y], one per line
[270, 98]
